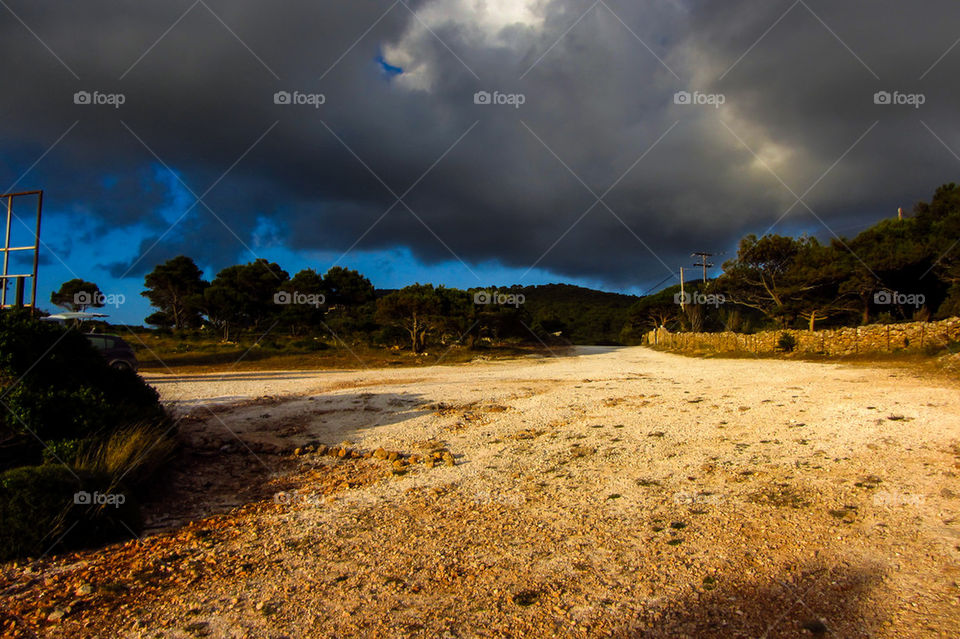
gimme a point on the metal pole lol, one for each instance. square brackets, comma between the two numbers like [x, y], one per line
[6, 251]
[36, 257]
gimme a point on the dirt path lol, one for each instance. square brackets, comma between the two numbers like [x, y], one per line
[621, 492]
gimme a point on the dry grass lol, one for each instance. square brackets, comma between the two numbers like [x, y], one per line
[159, 353]
[133, 454]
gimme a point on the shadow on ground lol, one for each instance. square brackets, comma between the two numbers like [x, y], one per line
[813, 601]
[229, 459]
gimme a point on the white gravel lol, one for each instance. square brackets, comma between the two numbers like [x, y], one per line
[778, 472]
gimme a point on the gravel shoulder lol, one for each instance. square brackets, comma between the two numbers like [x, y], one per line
[617, 492]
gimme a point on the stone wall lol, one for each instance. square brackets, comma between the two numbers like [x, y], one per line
[874, 338]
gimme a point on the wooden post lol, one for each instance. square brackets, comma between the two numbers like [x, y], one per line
[682, 296]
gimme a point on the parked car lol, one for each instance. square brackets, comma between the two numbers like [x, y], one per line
[117, 352]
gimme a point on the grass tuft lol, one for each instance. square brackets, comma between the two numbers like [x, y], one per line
[133, 454]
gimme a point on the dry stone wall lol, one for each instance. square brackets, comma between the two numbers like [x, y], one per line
[874, 338]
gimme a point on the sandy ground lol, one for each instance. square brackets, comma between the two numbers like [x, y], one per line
[619, 492]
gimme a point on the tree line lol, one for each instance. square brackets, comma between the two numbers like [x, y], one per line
[896, 270]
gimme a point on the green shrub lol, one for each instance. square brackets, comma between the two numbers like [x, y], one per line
[56, 386]
[65, 451]
[787, 343]
[40, 513]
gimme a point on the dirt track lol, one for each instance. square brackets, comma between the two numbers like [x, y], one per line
[617, 493]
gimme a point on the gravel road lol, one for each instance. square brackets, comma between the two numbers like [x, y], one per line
[616, 492]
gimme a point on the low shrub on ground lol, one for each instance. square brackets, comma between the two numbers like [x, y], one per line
[51, 507]
[55, 386]
[787, 343]
[62, 404]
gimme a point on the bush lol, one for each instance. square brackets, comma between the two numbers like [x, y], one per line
[56, 386]
[65, 451]
[39, 511]
[787, 343]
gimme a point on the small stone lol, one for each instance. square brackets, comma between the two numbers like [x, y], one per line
[414, 459]
[343, 452]
[56, 615]
[429, 463]
[297, 451]
[321, 449]
[85, 589]
[393, 456]
[380, 453]
[399, 465]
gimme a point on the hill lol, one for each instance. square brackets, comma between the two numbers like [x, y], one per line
[581, 315]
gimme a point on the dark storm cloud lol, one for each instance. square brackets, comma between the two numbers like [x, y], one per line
[597, 100]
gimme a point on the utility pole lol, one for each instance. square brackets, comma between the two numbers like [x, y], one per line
[703, 255]
[682, 296]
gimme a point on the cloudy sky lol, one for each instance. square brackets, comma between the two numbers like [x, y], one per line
[466, 142]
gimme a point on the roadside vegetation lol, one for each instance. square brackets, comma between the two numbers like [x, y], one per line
[258, 316]
[78, 441]
[897, 270]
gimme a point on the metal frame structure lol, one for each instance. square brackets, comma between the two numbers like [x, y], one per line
[20, 278]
